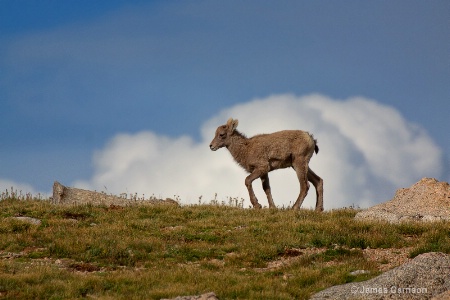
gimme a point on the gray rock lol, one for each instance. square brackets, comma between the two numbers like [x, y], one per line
[73, 196]
[424, 277]
[378, 214]
[33, 221]
[207, 296]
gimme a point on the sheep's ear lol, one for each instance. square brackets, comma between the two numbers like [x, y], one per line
[232, 125]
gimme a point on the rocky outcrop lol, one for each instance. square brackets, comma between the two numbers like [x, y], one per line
[74, 196]
[426, 200]
[426, 276]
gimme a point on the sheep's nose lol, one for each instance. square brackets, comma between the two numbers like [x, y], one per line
[212, 147]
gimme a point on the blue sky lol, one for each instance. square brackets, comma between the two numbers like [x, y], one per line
[77, 74]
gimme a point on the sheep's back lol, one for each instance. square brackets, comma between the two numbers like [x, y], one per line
[282, 144]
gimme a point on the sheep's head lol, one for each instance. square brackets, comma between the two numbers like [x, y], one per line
[223, 133]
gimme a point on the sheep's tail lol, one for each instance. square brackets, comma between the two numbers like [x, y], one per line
[316, 148]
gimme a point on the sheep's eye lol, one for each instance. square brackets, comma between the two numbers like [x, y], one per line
[222, 135]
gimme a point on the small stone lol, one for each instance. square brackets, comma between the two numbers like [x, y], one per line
[33, 221]
[359, 272]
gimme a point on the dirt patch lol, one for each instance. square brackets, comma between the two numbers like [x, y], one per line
[75, 216]
[385, 259]
[389, 258]
[84, 267]
[288, 257]
[114, 207]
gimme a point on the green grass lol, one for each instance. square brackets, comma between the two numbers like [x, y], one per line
[153, 252]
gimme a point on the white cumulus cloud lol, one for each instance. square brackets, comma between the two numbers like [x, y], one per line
[367, 151]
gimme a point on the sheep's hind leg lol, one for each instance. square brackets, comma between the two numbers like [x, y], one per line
[266, 188]
[248, 183]
[302, 171]
[318, 184]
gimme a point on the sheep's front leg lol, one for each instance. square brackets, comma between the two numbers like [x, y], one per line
[248, 183]
[266, 188]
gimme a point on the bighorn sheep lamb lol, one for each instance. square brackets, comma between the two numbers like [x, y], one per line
[263, 153]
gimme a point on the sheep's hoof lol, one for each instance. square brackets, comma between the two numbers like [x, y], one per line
[257, 206]
[319, 209]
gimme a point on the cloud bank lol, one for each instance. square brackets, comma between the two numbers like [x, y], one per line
[367, 151]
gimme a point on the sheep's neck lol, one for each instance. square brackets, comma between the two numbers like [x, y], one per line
[237, 148]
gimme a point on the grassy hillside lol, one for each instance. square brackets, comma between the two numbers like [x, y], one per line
[162, 251]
